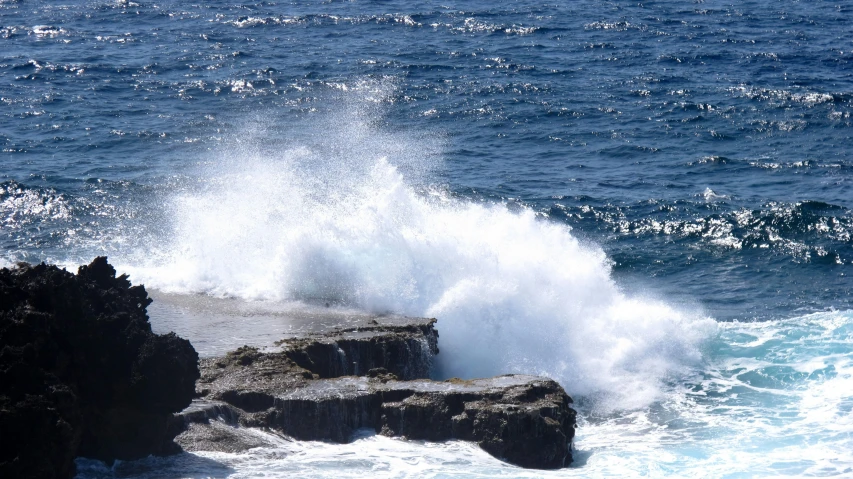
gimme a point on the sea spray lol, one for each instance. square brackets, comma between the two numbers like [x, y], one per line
[333, 220]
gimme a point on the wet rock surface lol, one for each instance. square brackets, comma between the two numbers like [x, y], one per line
[81, 372]
[308, 390]
[400, 345]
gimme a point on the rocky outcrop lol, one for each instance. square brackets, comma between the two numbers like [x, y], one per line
[81, 372]
[525, 420]
[307, 390]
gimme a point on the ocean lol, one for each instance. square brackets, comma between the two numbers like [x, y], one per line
[650, 202]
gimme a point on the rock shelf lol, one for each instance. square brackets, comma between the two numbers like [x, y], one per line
[309, 389]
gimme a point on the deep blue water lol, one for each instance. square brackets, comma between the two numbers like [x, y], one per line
[613, 117]
[704, 147]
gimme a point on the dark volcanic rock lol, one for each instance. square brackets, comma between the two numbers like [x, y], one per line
[81, 373]
[524, 420]
[400, 345]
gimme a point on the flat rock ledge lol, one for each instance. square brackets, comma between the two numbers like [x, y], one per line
[327, 386]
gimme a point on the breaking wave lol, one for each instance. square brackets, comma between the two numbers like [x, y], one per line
[330, 216]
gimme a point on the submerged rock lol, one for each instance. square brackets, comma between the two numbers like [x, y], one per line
[525, 420]
[81, 372]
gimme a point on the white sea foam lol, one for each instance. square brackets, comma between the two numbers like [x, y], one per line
[331, 217]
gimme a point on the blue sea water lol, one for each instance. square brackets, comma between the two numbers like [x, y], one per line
[648, 201]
